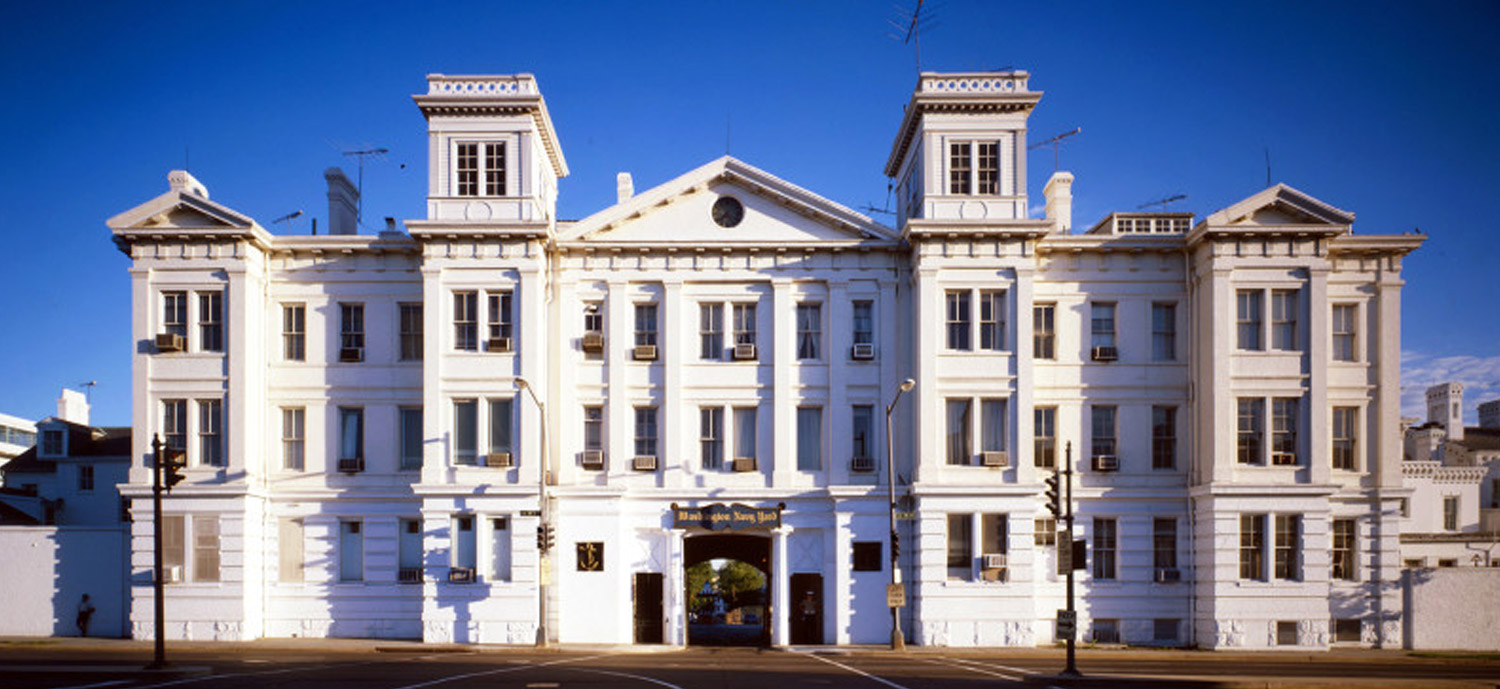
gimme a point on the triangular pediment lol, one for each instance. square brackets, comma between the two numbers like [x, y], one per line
[775, 213]
[1281, 206]
[185, 206]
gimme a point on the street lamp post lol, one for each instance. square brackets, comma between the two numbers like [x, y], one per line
[543, 529]
[898, 640]
[159, 657]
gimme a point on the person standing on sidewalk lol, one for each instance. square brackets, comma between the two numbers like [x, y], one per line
[85, 611]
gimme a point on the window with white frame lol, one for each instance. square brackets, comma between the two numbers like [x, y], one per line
[744, 324]
[352, 434]
[959, 315]
[1106, 541]
[502, 420]
[863, 430]
[293, 438]
[409, 550]
[1046, 531]
[711, 437]
[1288, 560]
[501, 319]
[593, 317]
[992, 415]
[974, 167]
[645, 324]
[1284, 430]
[465, 432]
[1342, 556]
[1164, 543]
[352, 329]
[1253, 547]
[351, 551]
[809, 331]
[1248, 314]
[174, 424]
[290, 550]
[960, 546]
[1450, 512]
[465, 542]
[174, 544]
[1044, 437]
[593, 427]
[1163, 437]
[992, 320]
[466, 321]
[1345, 425]
[960, 168]
[479, 168]
[710, 332]
[1284, 320]
[645, 432]
[959, 452]
[864, 322]
[500, 548]
[205, 547]
[744, 432]
[174, 318]
[1163, 331]
[1102, 425]
[1102, 324]
[1044, 331]
[210, 433]
[211, 321]
[54, 443]
[809, 438]
[1344, 326]
[86, 478]
[1251, 423]
[410, 317]
[294, 332]
[411, 438]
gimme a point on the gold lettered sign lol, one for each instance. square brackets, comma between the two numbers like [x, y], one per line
[722, 517]
[895, 595]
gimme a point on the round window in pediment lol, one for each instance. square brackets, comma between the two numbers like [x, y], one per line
[728, 211]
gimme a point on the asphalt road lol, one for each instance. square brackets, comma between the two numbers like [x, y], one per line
[370, 665]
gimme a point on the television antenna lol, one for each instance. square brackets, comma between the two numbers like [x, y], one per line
[1056, 143]
[359, 208]
[910, 27]
[88, 390]
[288, 218]
[1162, 202]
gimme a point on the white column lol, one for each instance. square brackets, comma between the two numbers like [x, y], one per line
[1023, 404]
[671, 414]
[780, 581]
[837, 417]
[926, 400]
[619, 423]
[783, 453]
[1318, 416]
[838, 544]
[676, 631]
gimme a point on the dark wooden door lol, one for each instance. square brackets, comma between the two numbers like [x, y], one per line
[648, 608]
[807, 609]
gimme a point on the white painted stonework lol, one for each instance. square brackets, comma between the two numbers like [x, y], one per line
[812, 270]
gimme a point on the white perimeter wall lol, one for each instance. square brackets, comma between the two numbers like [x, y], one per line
[1441, 610]
[47, 570]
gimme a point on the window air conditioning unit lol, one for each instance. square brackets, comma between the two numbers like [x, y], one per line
[862, 352]
[593, 459]
[744, 352]
[351, 465]
[1104, 353]
[994, 459]
[994, 560]
[170, 342]
[351, 354]
[497, 459]
[593, 341]
[1284, 458]
[1168, 575]
[644, 353]
[498, 344]
[862, 464]
[460, 575]
[647, 463]
[743, 464]
[1106, 463]
[172, 575]
[409, 575]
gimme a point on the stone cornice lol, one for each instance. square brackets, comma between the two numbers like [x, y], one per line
[1384, 244]
[920, 229]
[488, 95]
[428, 230]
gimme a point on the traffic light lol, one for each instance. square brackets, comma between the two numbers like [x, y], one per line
[544, 537]
[1054, 494]
[173, 462]
[895, 545]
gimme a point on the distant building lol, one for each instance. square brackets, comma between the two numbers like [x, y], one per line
[715, 356]
[1452, 518]
[16, 436]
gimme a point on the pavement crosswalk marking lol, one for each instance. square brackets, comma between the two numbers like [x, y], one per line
[857, 671]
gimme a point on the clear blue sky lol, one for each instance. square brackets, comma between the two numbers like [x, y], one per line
[1385, 109]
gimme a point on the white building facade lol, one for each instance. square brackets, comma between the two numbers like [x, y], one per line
[704, 370]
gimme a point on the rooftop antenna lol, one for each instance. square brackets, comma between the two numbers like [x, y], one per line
[1162, 202]
[911, 25]
[1055, 142]
[288, 218]
[1268, 167]
[359, 209]
[886, 210]
[88, 390]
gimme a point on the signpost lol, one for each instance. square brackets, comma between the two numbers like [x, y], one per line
[895, 595]
[1067, 624]
[1069, 556]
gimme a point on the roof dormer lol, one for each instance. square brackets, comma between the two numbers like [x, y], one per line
[493, 156]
